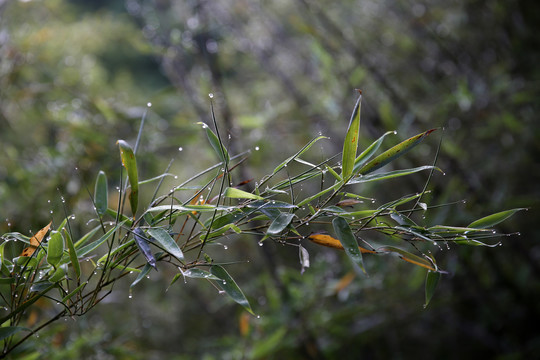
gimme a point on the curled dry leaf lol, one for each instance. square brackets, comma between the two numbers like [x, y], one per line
[35, 241]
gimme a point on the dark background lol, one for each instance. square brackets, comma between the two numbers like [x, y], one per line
[75, 76]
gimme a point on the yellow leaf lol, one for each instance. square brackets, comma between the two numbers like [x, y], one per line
[35, 241]
[328, 241]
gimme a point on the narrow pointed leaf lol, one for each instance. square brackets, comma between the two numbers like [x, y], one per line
[493, 219]
[101, 196]
[303, 150]
[329, 241]
[368, 153]
[199, 274]
[73, 255]
[347, 239]
[55, 249]
[130, 163]
[280, 223]
[407, 256]
[146, 269]
[230, 287]
[394, 152]
[142, 242]
[216, 144]
[167, 242]
[240, 194]
[390, 174]
[85, 250]
[350, 144]
[432, 278]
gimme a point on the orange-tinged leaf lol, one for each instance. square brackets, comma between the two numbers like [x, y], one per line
[329, 241]
[243, 323]
[35, 241]
[345, 281]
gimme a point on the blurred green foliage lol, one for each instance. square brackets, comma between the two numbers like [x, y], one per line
[75, 76]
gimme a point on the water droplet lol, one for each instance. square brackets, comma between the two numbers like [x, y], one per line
[225, 247]
[258, 316]
[149, 104]
[130, 296]
[176, 176]
[72, 217]
[257, 148]
[224, 282]
[221, 292]
[307, 224]
[395, 132]
[51, 211]
[260, 243]
[211, 96]
[49, 201]
[180, 148]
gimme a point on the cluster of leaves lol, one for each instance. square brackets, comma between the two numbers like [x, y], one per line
[175, 230]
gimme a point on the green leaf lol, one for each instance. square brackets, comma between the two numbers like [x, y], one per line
[199, 274]
[222, 230]
[347, 239]
[394, 152]
[216, 144]
[111, 254]
[321, 193]
[55, 249]
[59, 274]
[350, 145]
[142, 242]
[83, 251]
[229, 286]
[74, 292]
[280, 223]
[368, 153]
[7, 331]
[303, 150]
[101, 196]
[240, 194]
[432, 278]
[493, 219]
[146, 269]
[167, 242]
[130, 163]
[73, 255]
[390, 175]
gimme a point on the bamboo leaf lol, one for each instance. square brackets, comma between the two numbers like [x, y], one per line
[350, 145]
[394, 152]
[230, 287]
[390, 175]
[368, 153]
[130, 163]
[146, 269]
[73, 255]
[142, 242]
[280, 223]
[407, 256]
[167, 242]
[493, 219]
[432, 278]
[101, 196]
[216, 144]
[303, 150]
[85, 250]
[347, 239]
[35, 241]
[55, 249]
[240, 194]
